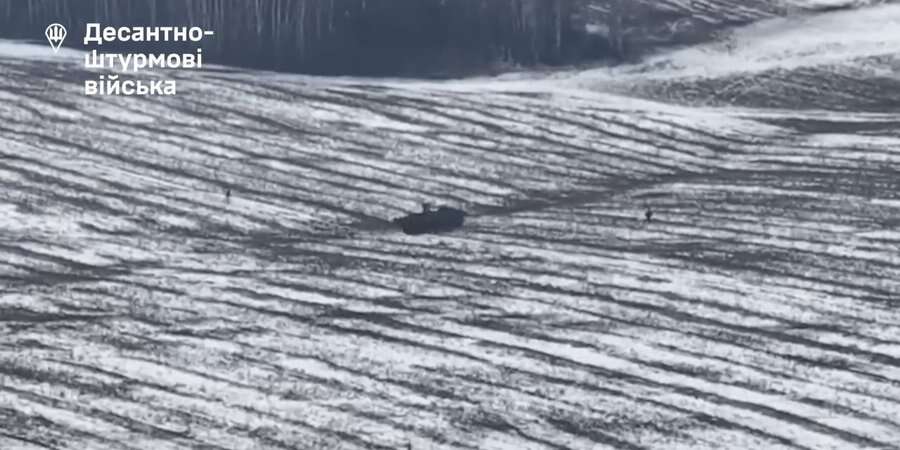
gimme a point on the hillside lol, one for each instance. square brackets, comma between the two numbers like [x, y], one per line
[140, 308]
[407, 37]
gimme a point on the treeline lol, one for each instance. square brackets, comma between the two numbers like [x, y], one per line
[363, 37]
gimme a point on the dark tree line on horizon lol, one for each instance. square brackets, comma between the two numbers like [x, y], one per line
[360, 37]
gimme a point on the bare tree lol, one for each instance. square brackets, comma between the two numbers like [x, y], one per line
[305, 34]
[616, 28]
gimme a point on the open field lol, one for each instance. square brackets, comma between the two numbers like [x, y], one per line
[759, 309]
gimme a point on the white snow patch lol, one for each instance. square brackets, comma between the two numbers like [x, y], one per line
[24, 50]
[782, 43]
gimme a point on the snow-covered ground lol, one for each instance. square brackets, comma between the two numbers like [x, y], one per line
[759, 309]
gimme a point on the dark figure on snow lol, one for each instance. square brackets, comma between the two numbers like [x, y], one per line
[648, 215]
[426, 207]
[227, 195]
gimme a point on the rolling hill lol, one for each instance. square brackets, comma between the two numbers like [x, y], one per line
[140, 308]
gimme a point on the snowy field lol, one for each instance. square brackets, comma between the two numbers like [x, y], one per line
[760, 309]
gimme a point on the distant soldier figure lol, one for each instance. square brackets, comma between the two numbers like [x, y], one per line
[227, 195]
[648, 215]
[426, 207]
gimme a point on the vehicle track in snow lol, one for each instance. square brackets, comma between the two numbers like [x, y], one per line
[140, 309]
